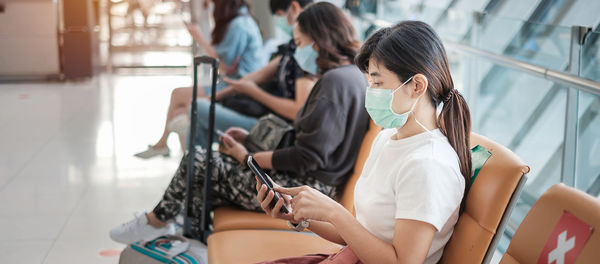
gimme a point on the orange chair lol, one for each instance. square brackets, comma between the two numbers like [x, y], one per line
[531, 236]
[231, 218]
[488, 206]
[236, 229]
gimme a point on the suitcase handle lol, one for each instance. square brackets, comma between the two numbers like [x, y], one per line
[204, 226]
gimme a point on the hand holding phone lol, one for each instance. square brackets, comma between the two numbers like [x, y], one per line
[220, 133]
[264, 179]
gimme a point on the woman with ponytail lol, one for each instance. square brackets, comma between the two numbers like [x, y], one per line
[410, 193]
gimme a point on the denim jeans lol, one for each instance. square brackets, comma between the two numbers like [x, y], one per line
[224, 119]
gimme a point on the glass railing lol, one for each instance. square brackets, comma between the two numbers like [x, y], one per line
[587, 174]
[523, 109]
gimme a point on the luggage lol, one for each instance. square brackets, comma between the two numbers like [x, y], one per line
[178, 249]
[165, 249]
[205, 218]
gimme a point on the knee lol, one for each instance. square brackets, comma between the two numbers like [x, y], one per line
[180, 93]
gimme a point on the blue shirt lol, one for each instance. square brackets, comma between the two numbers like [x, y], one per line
[243, 39]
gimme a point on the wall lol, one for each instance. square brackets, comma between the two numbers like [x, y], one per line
[28, 38]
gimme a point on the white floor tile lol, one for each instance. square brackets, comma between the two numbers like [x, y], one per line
[82, 251]
[38, 226]
[29, 202]
[24, 252]
[67, 171]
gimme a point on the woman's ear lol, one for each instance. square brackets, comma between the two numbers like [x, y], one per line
[420, 84]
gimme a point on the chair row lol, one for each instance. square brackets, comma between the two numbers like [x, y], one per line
[248, 237]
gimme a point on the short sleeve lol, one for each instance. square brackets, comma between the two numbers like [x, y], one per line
[427, 191]
[234, 43]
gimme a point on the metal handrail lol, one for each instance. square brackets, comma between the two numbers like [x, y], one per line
[566, 79]
[569, 80]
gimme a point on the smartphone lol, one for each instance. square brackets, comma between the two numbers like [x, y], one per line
[262, 176]
[220, 133]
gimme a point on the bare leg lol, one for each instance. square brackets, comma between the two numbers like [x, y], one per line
[182, 141]
[180, 101]
[153, 221]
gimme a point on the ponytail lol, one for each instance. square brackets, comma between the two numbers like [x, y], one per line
[455, 123]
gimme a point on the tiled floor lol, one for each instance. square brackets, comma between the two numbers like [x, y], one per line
[67, 171]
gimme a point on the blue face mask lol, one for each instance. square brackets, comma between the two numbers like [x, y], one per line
[378, 103]
[306, 57]
[282, 24]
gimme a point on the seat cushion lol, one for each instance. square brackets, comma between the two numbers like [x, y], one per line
[231, 218]
[251, 246]
[539, 223]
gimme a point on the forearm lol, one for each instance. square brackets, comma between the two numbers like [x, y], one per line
[287, 108]
[209, 49]
[264, 159]
[226, 92]
[266, 73]
[367, 247]
[326, 231]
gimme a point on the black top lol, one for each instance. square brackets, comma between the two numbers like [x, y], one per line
[282, 85]
[329, 128]
[288, 71]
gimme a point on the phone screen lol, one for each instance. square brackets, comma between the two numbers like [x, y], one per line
[220, 133]
[262, 176]
[260, 173]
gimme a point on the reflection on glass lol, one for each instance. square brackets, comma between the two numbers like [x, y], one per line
[588, 144]
[588, 141]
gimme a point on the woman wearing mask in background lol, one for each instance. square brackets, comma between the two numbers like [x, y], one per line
[327, 130]
[237, 42]
[409, 195]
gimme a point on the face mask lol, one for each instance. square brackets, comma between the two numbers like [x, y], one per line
[282, 24]
[379, 106]
[306, 57]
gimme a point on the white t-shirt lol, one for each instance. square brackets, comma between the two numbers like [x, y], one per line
[416, 178]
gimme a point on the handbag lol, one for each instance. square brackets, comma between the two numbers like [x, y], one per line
[270, 132]
[244, 104]
[344, 256]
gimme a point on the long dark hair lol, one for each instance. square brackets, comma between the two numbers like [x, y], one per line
[332, 32]
[413, 47]
[224, 12]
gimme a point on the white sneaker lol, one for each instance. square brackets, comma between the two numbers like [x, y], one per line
[151, 152]
[179, 124]
[138, 229]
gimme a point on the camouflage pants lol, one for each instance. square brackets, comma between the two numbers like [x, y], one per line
[232, 184]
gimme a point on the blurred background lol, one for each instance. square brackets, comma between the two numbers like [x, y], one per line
[84, 84]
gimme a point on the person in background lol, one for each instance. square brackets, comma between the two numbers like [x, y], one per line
[409, 195]
[286, 12]
[237, 43]
[328, 129]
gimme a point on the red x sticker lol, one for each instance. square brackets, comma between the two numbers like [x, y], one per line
[566, 241]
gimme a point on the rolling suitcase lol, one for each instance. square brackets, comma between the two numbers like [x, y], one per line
[177, 249]
[205, 218]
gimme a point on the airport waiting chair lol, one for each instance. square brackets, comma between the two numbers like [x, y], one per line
[231, 218]
[236, 229]
[539, 223]
[489, 203]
